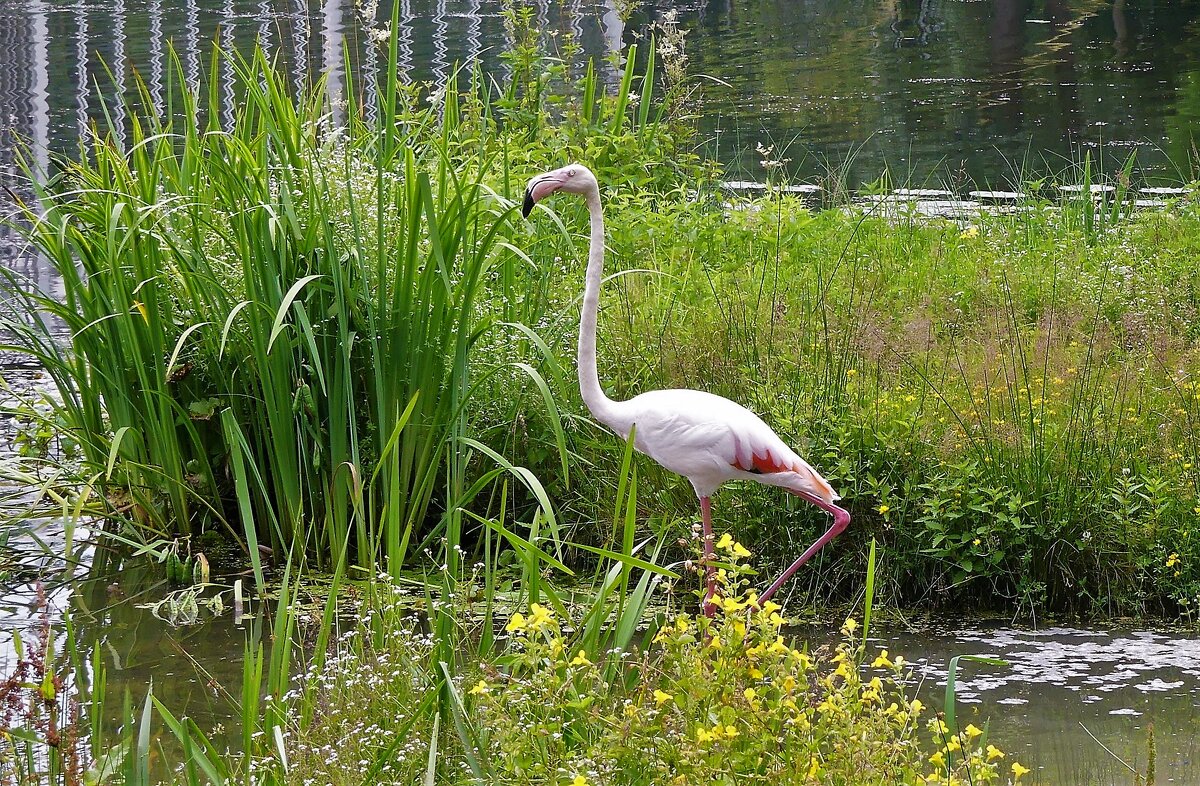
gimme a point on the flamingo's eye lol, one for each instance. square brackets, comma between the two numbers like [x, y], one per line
[570, 173]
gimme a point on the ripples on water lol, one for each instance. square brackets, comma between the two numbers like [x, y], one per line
[941, 90]
[1061, 680]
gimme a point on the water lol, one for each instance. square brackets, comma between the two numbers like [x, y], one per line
[937, 92]
[951, 91]
[1065, 691]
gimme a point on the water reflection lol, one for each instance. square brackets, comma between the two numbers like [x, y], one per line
[931, 89]
[946, 91]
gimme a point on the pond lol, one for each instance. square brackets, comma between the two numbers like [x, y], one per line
[936, 92]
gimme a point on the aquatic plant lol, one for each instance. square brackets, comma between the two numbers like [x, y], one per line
[730, 697]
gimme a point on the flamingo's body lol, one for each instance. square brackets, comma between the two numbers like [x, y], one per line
[706, 438]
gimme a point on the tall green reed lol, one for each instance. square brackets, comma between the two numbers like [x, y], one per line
[272, 325]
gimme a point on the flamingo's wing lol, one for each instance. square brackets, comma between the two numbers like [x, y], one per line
[710, 439]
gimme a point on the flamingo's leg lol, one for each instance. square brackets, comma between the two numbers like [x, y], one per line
[710, 574]
[840, 520]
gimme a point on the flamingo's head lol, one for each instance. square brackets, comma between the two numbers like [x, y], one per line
[572, 178]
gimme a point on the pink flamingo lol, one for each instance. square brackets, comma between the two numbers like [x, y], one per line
[705, 438]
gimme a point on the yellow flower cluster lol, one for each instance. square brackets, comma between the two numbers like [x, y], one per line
[716, 687]
[717, 733]
[540, 618]
[732, 547]
[961, 748]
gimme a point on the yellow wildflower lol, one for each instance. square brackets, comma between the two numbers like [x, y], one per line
[814, 768]
[732, 605]
[726, 542]
[953, 745]
[994, 753]
[883, 508]
[540, 617]
[1018, 770]
[755, 673]
[849, 626]
[938, 759]
[750, 694]
[1172, 560]
[516, 623]
[661, 697]
[970, 232]
[972, 731]
[581, 659]
[579, 780]
[480, 688]
[916, 706]
[731, 732]
[882, 662]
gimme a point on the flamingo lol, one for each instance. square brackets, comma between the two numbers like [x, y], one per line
[705, 438]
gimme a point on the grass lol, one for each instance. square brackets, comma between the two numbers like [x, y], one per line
[1007, 408]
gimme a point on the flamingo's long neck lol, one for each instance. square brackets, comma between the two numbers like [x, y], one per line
[601, 406]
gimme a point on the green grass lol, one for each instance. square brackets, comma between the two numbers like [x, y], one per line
[344, 341]
[1009, 410]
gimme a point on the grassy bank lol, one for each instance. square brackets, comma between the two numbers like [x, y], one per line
[1010, 408]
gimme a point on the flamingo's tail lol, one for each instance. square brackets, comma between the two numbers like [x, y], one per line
[809, 480]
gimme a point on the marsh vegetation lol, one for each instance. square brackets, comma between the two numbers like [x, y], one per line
[338, 348]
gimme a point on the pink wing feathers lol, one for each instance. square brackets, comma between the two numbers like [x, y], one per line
[770, 456]
[710, 440]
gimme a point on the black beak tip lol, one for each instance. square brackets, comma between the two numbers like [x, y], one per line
[527, 205]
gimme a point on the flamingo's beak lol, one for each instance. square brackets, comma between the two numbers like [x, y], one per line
[540, 188]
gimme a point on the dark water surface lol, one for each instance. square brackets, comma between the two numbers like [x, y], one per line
[943, 90]
[1065, 692]
[936, 91]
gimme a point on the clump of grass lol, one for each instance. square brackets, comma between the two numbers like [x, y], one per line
[295, 332]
